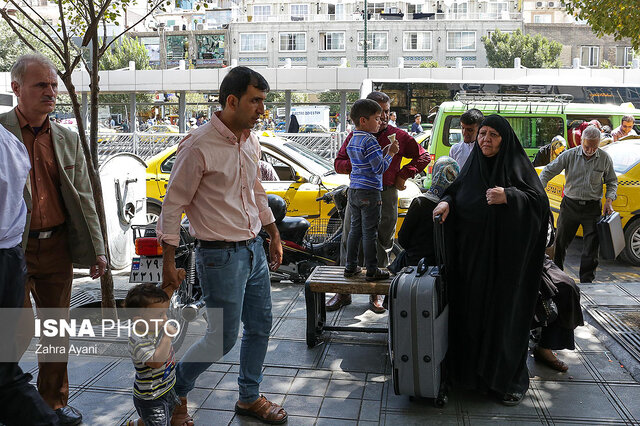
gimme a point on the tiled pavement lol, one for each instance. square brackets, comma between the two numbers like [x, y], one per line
[345, 381]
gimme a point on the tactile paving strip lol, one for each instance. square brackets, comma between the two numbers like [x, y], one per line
[622, 323]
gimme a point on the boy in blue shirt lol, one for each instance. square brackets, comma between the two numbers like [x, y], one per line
[368, 163]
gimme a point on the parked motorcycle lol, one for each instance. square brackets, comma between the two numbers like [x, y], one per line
[304, 246]
[187, 301]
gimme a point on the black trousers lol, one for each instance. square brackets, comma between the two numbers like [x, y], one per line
[574, 213]
[20, 402]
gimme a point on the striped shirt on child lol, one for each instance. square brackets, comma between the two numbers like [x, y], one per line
[368, 162]
[150, 383]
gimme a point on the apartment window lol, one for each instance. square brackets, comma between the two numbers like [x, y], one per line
[331, 41]
[293, 42]
[375, 7]
[624, 56]
[417, 40]
[253, 42]
[543, 18]
[261, 12]
[497, 8]
[376, 41]
[461, 40]
[340, 11]
[299, 10]
[459, 8]
[590, 56]
[415, 8]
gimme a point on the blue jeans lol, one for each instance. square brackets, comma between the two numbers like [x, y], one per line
[157, 412]
[236, 280]
[365, 205]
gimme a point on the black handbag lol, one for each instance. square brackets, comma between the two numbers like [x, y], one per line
[546, 309]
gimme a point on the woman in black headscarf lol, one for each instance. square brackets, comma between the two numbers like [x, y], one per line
[497, 214]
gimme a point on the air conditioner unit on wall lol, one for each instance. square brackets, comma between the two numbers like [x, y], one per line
[176, 28]
[538, 4]
[551, 4]
[200, 27]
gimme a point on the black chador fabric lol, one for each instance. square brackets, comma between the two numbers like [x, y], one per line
[416, 234]
[495, 265]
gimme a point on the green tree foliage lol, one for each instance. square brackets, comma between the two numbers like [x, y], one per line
[534, 51]
[429, 64]
[613, 17]
[10, 47]
[124, 50]
[278, 97]
[333, 96]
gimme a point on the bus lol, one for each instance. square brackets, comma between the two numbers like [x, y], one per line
[422, 95]
[7, 102]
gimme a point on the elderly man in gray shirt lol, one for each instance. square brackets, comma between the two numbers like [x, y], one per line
[586, 168]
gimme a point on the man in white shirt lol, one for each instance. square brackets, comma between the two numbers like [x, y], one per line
[20, 402]
[624, 129]
[392, 119]
[470, 123]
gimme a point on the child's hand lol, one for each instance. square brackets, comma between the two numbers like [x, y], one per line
[394, 148]
[170, 329]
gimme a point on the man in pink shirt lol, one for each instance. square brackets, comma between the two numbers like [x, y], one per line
[216, 182]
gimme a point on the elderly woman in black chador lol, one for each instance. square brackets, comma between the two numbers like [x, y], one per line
[497, 214]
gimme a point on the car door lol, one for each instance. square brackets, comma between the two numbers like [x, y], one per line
[293, 187]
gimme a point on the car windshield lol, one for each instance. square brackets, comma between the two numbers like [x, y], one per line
[317, 164]
[624, 155]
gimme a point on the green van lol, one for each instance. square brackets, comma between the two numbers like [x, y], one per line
[535, 119]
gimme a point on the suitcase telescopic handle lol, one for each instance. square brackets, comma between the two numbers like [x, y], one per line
[438, 241]
[422, 267]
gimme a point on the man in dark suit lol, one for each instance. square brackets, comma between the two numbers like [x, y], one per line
[62, 226]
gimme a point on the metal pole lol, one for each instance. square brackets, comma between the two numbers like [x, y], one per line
[133, 121]
[343, 110]
[366, 42]
[182, 111]
[287, 110]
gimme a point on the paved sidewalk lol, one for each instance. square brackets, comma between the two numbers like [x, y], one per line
[346, 380]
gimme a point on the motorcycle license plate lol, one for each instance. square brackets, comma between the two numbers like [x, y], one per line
[146, 270]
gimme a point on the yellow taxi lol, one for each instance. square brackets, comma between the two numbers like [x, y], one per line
[294, 164]
[626, 163]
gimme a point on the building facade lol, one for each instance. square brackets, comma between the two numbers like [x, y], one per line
[322, 34]
[579, 41]
[550, 19]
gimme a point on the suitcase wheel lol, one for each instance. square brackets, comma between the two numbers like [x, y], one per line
[440, 401]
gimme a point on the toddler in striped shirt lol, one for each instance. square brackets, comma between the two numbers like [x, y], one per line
[152, 354]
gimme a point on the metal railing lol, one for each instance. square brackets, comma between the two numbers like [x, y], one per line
[325, 145]
[146, 145]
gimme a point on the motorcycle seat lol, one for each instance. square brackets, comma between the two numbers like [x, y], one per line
[293, 228]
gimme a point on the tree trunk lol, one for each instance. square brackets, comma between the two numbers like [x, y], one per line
[106, 281]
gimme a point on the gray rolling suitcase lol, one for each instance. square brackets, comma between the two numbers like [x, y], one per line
[418, 329]
[610, 235]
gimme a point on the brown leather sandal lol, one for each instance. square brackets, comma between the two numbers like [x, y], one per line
[265, 411]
